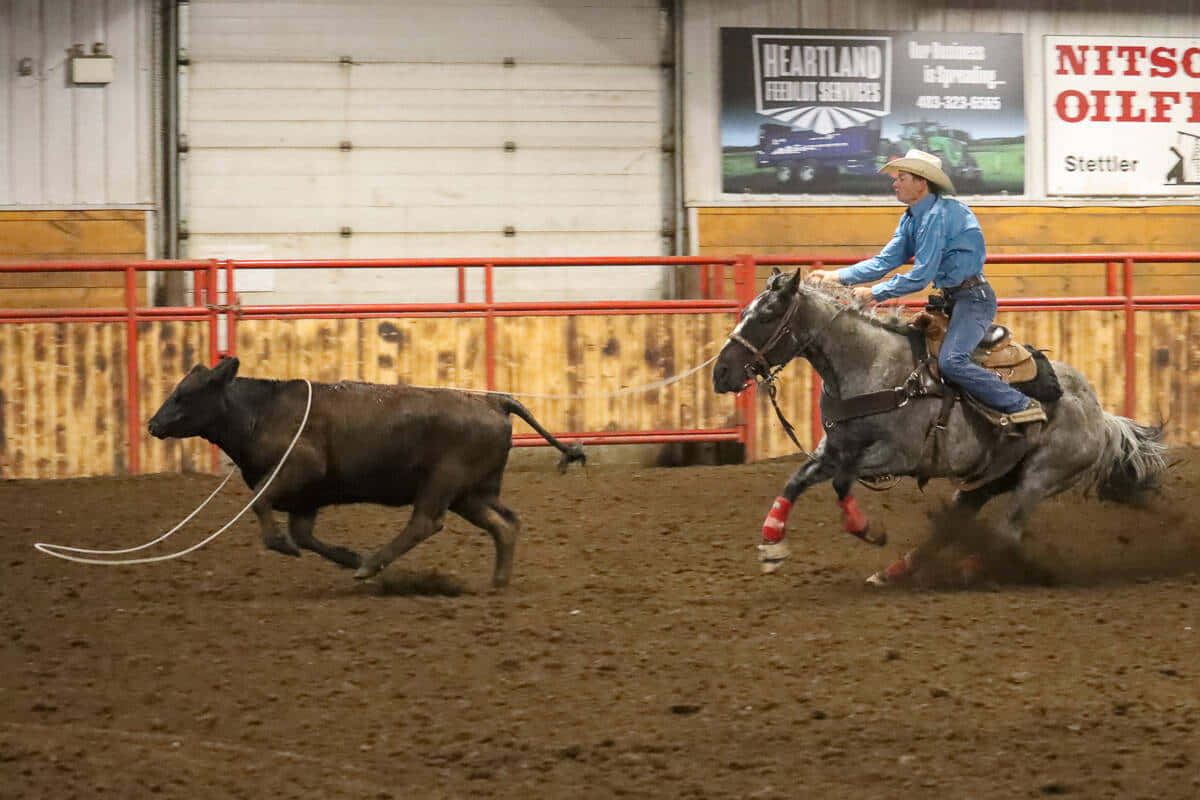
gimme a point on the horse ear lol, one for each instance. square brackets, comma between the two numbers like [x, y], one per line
[790, 283]
[774, 271]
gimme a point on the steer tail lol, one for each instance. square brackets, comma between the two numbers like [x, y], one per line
[1133, 461]
[570, 452]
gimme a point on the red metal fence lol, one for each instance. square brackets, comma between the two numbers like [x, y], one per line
[216, 301]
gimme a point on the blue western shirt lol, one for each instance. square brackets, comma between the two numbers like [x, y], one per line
[942, 237]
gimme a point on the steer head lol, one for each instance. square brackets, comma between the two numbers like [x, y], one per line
[195, 403]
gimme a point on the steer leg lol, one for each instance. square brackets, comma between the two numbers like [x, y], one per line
[272, 537]
[300, 526]
[501, 522]
[426, 520]
[301, 467]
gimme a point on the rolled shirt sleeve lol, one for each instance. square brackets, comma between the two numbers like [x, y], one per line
[894, 253]
[931, 242]
[941, 236]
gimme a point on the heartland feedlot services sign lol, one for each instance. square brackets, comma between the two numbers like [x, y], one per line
[815, 112]
[1122, 116]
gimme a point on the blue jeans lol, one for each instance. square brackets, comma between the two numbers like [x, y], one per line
[974, 310]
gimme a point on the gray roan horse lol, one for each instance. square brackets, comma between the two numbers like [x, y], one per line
[860, 356]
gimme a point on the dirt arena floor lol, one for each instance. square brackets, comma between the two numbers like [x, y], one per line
[637, 653]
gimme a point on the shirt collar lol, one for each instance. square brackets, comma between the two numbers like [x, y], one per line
[919, 209]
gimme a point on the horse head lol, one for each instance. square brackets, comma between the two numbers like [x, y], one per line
[772, 330]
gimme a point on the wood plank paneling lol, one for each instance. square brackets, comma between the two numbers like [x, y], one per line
[62, 400]
[33, 236]
[860, 232]
[102, 235]
[62, 386]
[166, 352]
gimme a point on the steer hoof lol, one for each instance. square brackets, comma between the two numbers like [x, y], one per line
[369, 569]
[282, 544]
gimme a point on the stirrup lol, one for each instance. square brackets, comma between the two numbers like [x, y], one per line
[772, 555]
[1031, 413]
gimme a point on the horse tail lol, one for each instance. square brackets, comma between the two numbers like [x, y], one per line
[570, 452]
[1132, 463]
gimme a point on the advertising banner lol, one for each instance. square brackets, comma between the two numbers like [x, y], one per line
[819, 111]
[1122, 115]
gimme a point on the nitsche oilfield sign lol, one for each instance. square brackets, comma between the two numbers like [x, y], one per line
[1122, 115]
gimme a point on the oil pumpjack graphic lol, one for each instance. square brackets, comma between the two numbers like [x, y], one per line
[1186, 170]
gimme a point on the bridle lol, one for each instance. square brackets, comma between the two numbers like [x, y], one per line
[759, 368]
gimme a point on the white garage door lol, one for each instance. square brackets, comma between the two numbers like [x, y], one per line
[327, 129]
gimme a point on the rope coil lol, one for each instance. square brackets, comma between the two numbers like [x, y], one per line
[62, 550]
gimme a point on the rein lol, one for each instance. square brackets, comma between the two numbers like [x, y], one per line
[759, 368]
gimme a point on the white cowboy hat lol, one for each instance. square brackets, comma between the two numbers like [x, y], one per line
[918, 162]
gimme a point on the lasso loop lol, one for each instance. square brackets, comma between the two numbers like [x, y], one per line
[62, 550]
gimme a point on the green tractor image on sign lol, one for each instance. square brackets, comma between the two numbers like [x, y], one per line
[948, 144]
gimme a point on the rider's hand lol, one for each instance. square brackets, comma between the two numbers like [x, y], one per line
[819, 276]
[864, 295]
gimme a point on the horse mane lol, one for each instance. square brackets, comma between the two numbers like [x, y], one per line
[892, 319]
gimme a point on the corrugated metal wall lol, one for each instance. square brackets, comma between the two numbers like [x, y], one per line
[703, 20]
[326, 129]
[67, 145]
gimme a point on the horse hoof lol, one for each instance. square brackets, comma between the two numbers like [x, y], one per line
[877, 537]
[897, 572]
[970, 568]
[772, 556]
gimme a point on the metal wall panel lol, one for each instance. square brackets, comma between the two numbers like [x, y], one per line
[64, 145]
[703, 19]
[307, 118]
[449, 31]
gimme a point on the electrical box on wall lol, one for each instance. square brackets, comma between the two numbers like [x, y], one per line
[96, 68]
[92, 69]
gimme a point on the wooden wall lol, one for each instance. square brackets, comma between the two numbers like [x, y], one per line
[70, 236]
[571, 372]
[63, 397]
[62, 386]
[860, 232]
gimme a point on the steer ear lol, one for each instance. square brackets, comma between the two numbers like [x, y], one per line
[224, 371]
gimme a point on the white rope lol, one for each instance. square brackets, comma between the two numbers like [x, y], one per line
[61, 550]
[615, 393]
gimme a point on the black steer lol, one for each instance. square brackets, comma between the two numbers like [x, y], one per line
[435, 449]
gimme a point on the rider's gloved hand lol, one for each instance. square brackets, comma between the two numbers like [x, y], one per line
[863, 295]
[819, 276]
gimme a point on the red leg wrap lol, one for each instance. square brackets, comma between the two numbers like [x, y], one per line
[776, 522]
[856, 521]
[901, 568]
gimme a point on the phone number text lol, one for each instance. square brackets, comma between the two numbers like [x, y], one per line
[959, 102]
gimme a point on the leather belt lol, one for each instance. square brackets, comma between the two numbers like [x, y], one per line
[969, 283]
